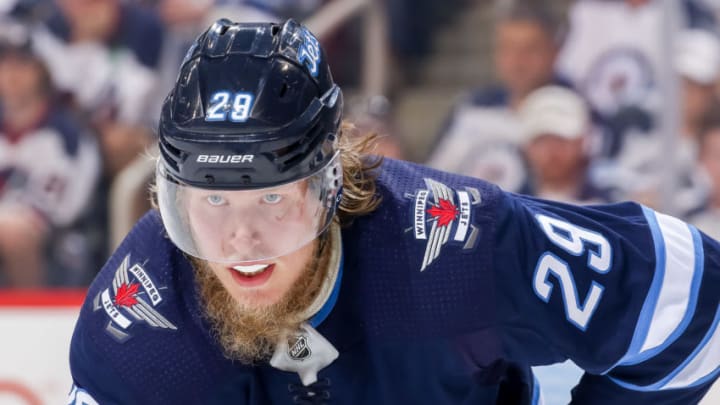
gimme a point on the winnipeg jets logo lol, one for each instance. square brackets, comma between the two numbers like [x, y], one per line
[125, 302]
[449, 210]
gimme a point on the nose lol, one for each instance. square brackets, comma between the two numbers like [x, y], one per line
[244, 239]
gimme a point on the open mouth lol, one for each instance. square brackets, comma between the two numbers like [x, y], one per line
[252, 275]
[251, 270]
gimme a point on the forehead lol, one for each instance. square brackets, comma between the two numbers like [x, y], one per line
[26, 66]
[551, 138]
[521, 28]
[16, 56]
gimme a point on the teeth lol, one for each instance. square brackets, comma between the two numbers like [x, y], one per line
[252, 269]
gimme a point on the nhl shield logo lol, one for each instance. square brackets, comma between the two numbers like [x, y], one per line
[299, 350]
[442, 215]
[132, 298]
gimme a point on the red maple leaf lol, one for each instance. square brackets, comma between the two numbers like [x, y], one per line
[445, 212]
[125, 296]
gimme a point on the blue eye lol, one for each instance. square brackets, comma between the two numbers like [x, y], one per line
[272, 198]
[216, 200]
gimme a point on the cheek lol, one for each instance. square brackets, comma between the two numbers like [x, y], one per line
[294, 271]
[13, 82]
[713, 168]
[299, 260]
[205, 229]
[196, 219]
[710, 158]
[297, 215]
[217, 269]
[538, 153]
[691, 99]
[289, 213]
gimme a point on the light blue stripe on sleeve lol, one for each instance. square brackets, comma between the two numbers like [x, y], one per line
[671, 300]
[645, 318]
[701, 366]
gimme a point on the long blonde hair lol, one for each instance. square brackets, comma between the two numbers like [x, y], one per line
[359, 174]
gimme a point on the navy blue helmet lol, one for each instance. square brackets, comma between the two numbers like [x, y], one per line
[254, 105]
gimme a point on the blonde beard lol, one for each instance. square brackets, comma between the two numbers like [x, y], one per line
[249, 335]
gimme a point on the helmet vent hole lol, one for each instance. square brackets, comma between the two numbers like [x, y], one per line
[209, 178]
[283, 90]
[245, 179]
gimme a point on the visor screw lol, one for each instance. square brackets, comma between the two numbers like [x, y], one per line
[209, 178]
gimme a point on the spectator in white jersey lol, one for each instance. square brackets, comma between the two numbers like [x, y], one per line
[698, 64]
[104, 53]
[48, 167]
[482, 134]
[615, 56]
[637, 172]
[557, 132]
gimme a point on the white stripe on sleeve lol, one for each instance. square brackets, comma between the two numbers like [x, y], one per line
[703, 363]
[674, 296]
[671, 300]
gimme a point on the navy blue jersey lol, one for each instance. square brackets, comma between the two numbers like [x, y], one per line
[447, 294]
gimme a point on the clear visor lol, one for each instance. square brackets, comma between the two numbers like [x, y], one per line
[236, 226]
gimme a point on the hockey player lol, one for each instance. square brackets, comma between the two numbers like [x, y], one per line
[283, 265]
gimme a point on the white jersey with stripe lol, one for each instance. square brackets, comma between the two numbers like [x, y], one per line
[53, 168]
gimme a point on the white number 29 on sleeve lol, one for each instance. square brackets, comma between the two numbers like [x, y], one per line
[574, 240]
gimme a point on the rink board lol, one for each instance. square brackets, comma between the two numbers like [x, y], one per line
[36, 328]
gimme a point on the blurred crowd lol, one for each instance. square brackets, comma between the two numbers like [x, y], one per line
[614, 100]
[605, 101]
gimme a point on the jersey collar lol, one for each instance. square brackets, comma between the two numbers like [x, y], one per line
[330, 289]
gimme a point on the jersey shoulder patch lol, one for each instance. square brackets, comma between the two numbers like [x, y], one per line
[135, 285]
[131, 298]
